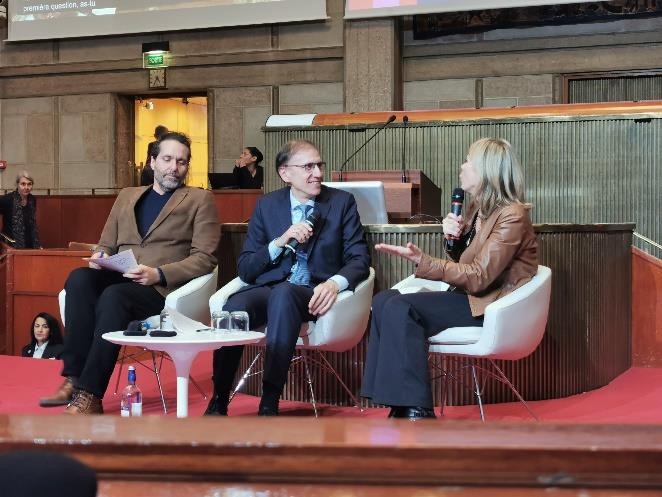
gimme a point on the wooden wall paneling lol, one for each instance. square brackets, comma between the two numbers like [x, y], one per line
[3, 302]
[83, 218]
[33, 280]
[235, 206]
[49, 215]
[646, 309]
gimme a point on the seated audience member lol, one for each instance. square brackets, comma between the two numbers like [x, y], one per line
[147, 174]
[174, 232]
[285, 289]
[45, 474]
[19, 214]
[46, 340]
[496, 253]
[247, 170]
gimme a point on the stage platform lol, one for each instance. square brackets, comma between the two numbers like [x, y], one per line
[603, 443]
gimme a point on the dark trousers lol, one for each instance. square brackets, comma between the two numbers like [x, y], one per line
[284, 307]
[99, 301]
[396, 368]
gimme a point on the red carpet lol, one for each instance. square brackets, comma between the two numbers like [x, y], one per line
[633, 397]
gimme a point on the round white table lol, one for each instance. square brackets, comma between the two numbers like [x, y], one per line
[182, 349]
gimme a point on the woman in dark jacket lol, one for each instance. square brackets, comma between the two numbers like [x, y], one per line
[248, 174]
[19, 211]
[46, 340]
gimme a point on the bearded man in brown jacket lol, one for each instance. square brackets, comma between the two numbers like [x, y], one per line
[174, 232]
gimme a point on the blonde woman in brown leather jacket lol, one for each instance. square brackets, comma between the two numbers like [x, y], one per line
[496, 253]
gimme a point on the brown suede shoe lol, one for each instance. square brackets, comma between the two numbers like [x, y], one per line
[62, 397]
[85, 403]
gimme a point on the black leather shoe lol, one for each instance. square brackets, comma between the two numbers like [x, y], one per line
[412, 413]
[393, 411]
[216, 407]
[267, 410]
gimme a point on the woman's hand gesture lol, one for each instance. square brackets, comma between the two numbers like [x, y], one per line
[410, 251]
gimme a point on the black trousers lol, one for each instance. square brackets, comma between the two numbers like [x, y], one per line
[396, 369]
[99, 301]
[284, 307]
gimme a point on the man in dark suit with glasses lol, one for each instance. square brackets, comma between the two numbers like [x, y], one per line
[289, 287]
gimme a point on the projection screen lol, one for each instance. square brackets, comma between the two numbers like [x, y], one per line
[35, 19]
[355, 9]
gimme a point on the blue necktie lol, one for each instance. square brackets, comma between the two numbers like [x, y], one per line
[300, 274]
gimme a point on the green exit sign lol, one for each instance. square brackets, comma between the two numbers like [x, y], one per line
[155, 59]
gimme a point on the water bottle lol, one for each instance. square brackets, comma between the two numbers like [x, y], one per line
[132, 397]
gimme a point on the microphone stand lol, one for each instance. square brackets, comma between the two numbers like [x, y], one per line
[340, 175]
[405, 120]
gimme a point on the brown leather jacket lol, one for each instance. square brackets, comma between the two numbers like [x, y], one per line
[502, 256]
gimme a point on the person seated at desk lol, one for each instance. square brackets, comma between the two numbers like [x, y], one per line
[174, 233]
[286, 289]
[496, 252]
[248, 174]
[46, 340]
[19, 214]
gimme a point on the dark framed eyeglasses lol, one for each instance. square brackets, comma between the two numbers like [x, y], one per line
[310, 166]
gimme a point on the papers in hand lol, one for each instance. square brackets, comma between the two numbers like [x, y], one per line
[121, 262]
[185, 324]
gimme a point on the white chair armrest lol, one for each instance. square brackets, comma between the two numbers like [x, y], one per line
[61, 297]
[218, 300]
[191, 299]
[412, 284]
[343, 326]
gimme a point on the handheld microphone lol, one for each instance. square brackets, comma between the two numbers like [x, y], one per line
[311, 221]
[405, 120]
[457, 198]
[342, 168]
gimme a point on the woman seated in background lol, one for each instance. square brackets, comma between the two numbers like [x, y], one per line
[493, 253]
[46, 338]
[19, 214]
[248, 174]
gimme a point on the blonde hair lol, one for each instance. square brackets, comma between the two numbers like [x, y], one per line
[24, 174]
[501, 178]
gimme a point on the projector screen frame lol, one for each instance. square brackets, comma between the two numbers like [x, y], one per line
[445, 6]
[72, 24]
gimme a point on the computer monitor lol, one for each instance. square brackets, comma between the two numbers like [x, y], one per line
[222, 181]
[369, 196]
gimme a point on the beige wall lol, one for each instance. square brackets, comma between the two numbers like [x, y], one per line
[58, 115]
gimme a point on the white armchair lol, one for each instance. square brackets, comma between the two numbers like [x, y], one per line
[513, 327]
[340, 329]
[191, 300]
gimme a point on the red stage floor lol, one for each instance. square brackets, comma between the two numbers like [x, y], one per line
[633, 397]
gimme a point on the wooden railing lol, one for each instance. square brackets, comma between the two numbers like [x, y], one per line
[347, 456]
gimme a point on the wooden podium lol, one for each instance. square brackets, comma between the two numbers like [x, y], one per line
[403, 200]
[30, 281]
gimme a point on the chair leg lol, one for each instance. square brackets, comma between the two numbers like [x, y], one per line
[310, 382]
[505, 380]
[243, 378]
[119, 374]
[478, 392]
[157, 373]
[333, 371]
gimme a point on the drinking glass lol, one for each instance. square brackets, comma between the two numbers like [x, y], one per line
[239, 321]
[165, 322]
[220, 321]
